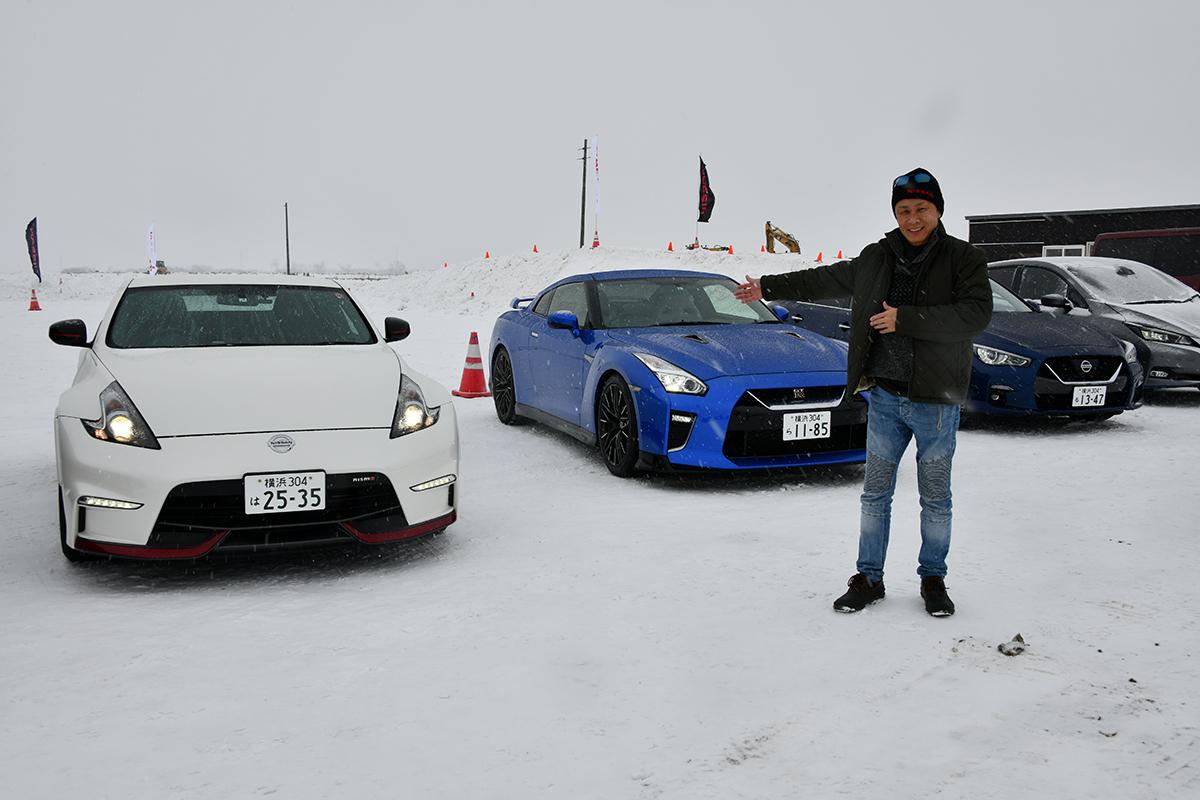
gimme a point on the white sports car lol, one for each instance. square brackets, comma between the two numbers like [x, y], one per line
[244, 413]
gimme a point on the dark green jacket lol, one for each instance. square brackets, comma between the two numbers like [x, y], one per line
[953, 304]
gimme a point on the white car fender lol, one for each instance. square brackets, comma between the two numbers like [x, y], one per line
[435, 393]
[82, 400]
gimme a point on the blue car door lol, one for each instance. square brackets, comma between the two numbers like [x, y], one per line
[557, 362]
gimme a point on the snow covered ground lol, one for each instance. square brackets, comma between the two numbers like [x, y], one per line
[575, 635]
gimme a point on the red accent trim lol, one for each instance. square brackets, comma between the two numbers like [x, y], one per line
[401, 533]
[141, 551]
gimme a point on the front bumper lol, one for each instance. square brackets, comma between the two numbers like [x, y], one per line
[1046, 387]
[1173, 366]
[192, 496]
[738, 423]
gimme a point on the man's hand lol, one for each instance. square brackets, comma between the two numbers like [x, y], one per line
[749, 291]
[885, 321]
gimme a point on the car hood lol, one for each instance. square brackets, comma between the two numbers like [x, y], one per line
[1178, 317]
[1037, 331]
[249, 389]
[709, 351]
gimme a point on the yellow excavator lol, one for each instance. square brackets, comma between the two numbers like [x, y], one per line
[775, 234]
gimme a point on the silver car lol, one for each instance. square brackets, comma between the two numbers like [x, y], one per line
[1134, 301]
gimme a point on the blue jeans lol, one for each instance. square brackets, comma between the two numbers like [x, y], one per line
[892, 422]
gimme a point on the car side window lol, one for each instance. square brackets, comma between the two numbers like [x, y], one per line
[542, 309]
[1005, 276]
[572, 297]
[1037, 282]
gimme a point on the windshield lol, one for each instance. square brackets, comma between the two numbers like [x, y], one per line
[1004, 300]
[236, 315]
[647, 302]
[1131, 282]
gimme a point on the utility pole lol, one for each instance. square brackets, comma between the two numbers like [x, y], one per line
[583, 199]
[287, 240]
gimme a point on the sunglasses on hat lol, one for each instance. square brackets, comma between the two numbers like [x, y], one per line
[920, 177]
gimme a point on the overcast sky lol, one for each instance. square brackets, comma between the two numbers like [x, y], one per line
[432, 132]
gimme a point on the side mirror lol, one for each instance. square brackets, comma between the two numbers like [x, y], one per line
[70, 332]
[395, 329]
[564, 319]
[781, 313]
[1056, 301]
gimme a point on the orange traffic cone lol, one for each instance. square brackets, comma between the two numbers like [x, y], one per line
[33, 303]
[487, 253]
[445, 264]
[730, 249]
[819, 256]
[535, 248]
[473, 383]
[839, 254]
[762, 248]
[670, 247]
[596, 240]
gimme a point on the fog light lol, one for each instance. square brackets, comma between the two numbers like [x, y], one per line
[445, 480]
[107, 502]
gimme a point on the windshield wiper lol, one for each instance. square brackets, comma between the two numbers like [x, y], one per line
[681, 322]
[1152, 302]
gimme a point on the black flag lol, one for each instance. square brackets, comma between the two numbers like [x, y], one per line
[707, 198]
[31, 241]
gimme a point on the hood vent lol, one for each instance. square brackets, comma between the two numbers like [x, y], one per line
[697, 337]
[793, 333]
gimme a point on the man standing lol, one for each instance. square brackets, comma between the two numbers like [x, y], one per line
[918, 298]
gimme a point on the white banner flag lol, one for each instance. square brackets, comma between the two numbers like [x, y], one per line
[150, 250]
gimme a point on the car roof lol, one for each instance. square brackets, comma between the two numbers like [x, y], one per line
[633, 274]
[1075, 262]
[259, 279]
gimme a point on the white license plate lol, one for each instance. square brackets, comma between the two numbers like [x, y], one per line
[273, 492]
[806, 425]
[1088, 396]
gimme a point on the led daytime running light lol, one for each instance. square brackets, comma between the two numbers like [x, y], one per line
[445, 480]
[107, 502]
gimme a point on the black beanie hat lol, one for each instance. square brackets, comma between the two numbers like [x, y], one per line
[918, 185]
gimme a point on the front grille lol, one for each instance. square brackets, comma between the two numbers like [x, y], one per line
[790, 396]
[1070, 368]
[758, 432]
[193, 511]
[1051, 395]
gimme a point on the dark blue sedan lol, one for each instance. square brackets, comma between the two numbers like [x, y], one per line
[1028, 363]
[667, 369]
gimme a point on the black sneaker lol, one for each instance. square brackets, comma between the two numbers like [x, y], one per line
[937, 602]
[861, 594]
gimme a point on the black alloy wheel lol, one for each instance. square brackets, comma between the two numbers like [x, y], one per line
[616, 428]
[504, 394]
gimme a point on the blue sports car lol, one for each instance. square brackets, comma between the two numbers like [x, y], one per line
[1028, 363]
[666, 369]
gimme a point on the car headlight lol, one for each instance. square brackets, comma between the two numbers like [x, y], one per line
[1167, 337]
[999, 358]
[412, 414]
[120, 421]
[1131, 355]
[673, 379]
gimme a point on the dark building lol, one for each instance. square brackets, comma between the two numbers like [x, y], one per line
[1068, 233]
